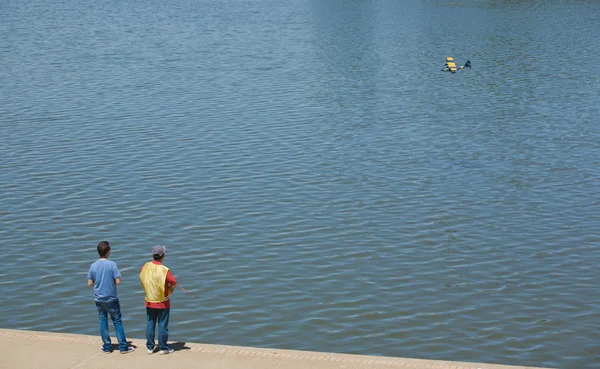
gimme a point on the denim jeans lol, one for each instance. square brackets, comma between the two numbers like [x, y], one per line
[160, 316]
[114, 309]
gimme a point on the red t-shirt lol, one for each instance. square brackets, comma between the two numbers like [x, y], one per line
[170, 280]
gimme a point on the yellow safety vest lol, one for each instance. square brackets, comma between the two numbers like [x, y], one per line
[153, 279]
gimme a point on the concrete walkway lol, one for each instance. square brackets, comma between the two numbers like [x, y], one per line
[28, 349]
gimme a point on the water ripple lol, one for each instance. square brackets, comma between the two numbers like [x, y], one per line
[318, 187]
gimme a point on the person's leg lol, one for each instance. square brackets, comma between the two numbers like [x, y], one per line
[151, 316]
[114, 308]
[103, 317]
[163, 331]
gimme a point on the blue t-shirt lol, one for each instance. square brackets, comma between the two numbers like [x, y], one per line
[103, 273]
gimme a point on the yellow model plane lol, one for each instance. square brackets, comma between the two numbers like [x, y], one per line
[450, 65]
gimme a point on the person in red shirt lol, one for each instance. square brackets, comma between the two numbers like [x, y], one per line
[159, 283]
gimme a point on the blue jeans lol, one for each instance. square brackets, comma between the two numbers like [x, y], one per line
[114, 309]
[160, 316]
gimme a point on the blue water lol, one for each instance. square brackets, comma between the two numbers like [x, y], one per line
[319, 183]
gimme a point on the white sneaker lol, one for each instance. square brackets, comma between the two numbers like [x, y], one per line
[151, 351]
[129, 349]
[166, 352]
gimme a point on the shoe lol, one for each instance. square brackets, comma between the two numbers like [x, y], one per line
[104, 351]
[166, 352]
[151, 351]
[129, 349]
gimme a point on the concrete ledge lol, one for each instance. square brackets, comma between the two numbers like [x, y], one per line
[30, 349]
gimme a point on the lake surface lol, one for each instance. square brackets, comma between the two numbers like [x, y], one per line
[319, 183]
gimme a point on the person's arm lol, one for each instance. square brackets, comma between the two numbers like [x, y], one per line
[90, 277]
[116, 275]
[171, 282]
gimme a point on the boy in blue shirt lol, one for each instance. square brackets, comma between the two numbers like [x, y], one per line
[105, 277]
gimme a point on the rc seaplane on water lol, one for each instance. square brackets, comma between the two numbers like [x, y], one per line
[450, 65]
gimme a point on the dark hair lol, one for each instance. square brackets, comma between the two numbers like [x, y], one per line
[103, 248]
[158, 257]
